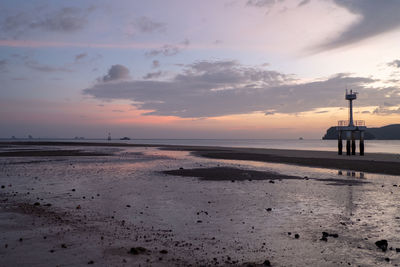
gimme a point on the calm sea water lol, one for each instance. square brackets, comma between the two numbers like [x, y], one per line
[375, 146]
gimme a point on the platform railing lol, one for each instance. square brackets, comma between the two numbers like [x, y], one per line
[346, 123]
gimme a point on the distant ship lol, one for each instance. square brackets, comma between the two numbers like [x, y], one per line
[125, 138]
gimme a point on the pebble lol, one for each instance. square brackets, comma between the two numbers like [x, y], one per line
[382, 244]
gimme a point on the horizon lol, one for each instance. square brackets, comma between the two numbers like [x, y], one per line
[234, 69]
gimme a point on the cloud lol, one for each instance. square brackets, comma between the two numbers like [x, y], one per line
[152, 75]
[387, 104]
[67, 19]
[116, 73]
[155, 64]
[32, 64]
[386, 111]
[168, 49]
[303, 3]
[365, 112]
[3, 64]
[260, 3]
[321, 112]
[394, 63]
[80, 56]
[147, 25]
[217, 88]
[269, 113]
[375, 17]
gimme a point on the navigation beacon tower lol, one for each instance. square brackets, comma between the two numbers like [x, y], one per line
[351, 129]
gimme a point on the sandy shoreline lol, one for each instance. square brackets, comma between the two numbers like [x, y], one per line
[371, 162]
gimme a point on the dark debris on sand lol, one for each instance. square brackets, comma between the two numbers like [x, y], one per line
[236, 174]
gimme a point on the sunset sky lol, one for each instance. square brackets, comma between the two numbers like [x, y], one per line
[196, 69]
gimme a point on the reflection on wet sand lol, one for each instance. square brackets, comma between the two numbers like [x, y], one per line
[139, 198]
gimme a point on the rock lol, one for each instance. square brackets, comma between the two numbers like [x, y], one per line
[90, 262]
[397, 250]
[297, 236]
[3, 186]
[199, 221]
[325, 234]
[271, 182]
[63, 246]
[128, 206]
[324, 239]
[73, 190]
[387, 259]
[289, 233]
[382, 244]
[267, 263]
[334, 235]
[36, 204]
[137, 250]
[78, 207]
[164, 251]
[269, 209]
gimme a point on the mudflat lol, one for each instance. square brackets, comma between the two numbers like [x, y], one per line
[116, 205]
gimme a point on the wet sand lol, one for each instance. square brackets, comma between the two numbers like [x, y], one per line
[371, 162]
[181, 206]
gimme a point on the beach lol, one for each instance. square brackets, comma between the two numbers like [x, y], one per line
[155, 205]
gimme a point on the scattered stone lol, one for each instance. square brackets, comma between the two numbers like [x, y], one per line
[3, 186]
[199, 221]
[20, 240]
[48, 205]
[73, 190]
[323, 238]
[181, 168]
[137, 250]
[90, 262]
[297, 236]
[382, 244]
[128, 206]
[51, 250]
[289, 233]
[63, 246]
[78, 207]
[163, 251]
[269, 209]
[267, 263]
[397, 250]
[36, 204]
[387, 259]
[271, 182]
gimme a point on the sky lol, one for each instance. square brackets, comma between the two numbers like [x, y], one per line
[196, 69]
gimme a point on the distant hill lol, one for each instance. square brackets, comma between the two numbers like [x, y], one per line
[389, 132]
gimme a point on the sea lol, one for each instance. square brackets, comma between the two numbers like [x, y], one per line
[372, 146]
